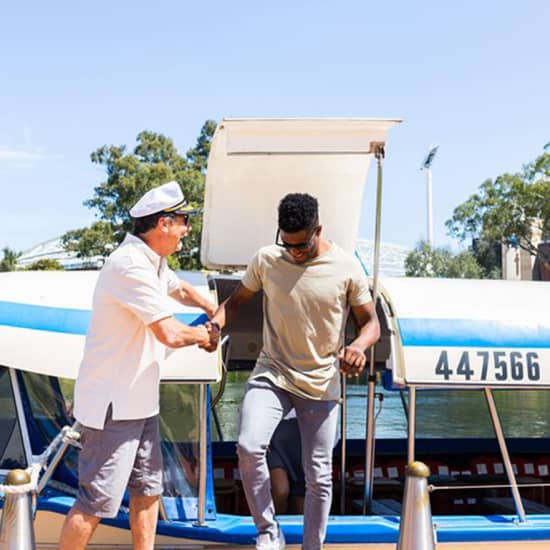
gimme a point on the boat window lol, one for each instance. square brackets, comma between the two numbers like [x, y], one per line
[46, 412]
[179, 427]
[46, 398]
[391, 422]
[523, 413]
[12, 453]
[226, 413]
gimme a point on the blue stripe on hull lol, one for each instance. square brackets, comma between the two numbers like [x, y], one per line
[472, 333]
[63, 320]
[227, 529]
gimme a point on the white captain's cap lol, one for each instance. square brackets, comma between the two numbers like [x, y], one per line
[164, 198]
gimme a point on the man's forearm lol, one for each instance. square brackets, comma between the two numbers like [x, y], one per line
[368, 335]
[189, 296]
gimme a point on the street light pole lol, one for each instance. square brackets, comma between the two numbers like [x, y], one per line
[429, 217]
[427, 166]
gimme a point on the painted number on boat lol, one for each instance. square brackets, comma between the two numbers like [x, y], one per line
[503, 366]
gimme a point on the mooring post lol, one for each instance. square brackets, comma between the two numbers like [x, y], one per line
[416, 528]
[16, 527]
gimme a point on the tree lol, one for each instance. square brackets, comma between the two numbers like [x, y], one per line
[512, 208]
[45, 264]
[9, 261]
[425, 261]
[154, 160]
[198, 156]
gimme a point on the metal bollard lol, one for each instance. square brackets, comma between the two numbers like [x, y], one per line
[416, 528]
[16, 527]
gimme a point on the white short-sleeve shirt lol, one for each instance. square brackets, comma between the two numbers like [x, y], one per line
[122, 357]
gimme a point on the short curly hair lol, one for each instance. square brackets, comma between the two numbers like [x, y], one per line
[298, 211]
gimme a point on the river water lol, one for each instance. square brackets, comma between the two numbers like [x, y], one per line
[523, 413]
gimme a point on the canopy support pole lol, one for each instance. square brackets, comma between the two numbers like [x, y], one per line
[343, 449]
[411, 425]
[504, 451]
[203, 468]
[377, 148]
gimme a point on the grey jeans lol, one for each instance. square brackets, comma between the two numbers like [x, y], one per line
[263, 407]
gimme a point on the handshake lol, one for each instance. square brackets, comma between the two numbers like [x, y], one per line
[208, 336]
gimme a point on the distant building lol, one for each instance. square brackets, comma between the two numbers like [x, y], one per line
[392, 257]
[519, 265]
[53, 250]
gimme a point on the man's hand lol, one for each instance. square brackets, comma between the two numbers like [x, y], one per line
[202, 336]
[210, 308]
[352, 360]
[214, 332]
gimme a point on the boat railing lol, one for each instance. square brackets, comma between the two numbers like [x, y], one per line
[67, 436]
[493, 413]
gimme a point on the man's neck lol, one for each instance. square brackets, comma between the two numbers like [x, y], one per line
[324, 246]
[151, 242]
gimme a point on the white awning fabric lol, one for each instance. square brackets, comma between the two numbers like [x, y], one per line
[253, 163]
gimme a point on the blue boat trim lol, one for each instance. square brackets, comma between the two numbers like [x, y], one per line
[230, 529]
[63, 320]
[472, 333]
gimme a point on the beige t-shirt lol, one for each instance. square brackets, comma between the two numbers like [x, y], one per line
[305, 311]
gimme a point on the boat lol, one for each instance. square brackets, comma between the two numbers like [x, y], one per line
[451, 335]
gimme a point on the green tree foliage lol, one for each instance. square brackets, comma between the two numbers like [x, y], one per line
[426, 261]
[198, 156]
[96, 240]
[510, 208]
[45, 264]
[9, 260]
[154, 160]
[489, 257]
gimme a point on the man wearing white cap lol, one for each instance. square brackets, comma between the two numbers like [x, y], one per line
[117, 390]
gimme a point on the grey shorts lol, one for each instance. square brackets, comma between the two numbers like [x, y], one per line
[125, 453]
[285, 451]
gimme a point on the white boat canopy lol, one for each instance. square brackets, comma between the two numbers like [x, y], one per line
[44, 316]
[457, 332]
[253, 163]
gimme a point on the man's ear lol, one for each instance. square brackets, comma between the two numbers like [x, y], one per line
[318, 230]
[162, 224]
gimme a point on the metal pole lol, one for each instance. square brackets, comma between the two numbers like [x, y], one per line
[203, 417]
[343, 433]
[411, 425]
[378, 150]
[416, 529]
[429, 232]
[54, 462]
[504, 451]
[16, 526]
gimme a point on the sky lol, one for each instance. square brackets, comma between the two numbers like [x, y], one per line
[472, 77]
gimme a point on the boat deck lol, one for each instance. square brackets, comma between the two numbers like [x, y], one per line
[528, 545]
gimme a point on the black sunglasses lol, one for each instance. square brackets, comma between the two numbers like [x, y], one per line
[186, 217]
[298, 246]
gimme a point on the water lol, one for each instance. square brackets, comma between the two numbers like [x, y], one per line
[441, 414]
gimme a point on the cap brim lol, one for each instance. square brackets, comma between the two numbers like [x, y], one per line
[185, 210]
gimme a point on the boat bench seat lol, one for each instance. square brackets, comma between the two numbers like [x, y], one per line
[505, 505]
[381, 507]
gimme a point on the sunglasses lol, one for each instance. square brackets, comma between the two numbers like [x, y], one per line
[297, 246]
[185, 217]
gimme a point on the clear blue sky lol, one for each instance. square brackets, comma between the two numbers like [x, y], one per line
[471, 76]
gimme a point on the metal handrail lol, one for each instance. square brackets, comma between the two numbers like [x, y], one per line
[378, 150]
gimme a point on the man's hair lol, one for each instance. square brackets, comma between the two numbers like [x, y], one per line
[142, 225]
[298, 211]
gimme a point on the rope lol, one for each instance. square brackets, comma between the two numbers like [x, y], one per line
[69, 436]
[433, 488]
[34, 472]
